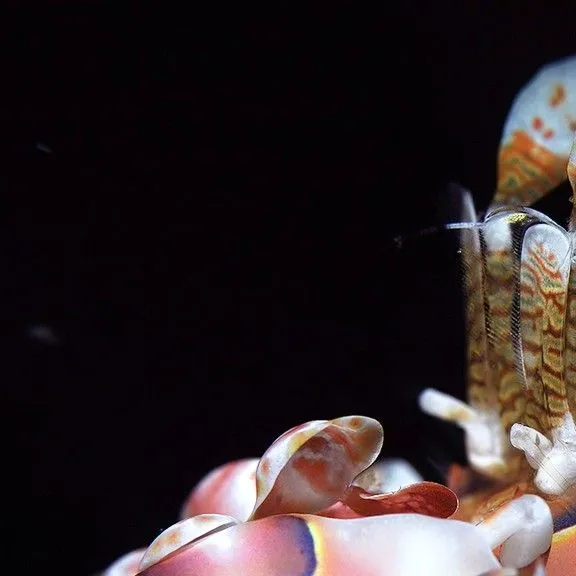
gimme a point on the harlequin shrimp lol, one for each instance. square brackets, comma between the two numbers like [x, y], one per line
[520, 290]
[315, 504]
[318, 503]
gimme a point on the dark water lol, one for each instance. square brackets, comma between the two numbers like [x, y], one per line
[207, 230]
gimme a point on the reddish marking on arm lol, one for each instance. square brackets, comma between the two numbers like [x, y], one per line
[355, 422]
[558, 95]
[537, 123]
[548, 134]
[265, 466]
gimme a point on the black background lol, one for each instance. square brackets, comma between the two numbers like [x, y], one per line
[212, 241]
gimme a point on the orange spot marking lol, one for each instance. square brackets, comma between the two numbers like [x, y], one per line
[552, 258]
[537, 123]
[173, 538]
[355, 422]
[265, 466]
[558, 95]
[548, 134]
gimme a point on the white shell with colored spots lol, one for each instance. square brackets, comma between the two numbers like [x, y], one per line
[545, 109]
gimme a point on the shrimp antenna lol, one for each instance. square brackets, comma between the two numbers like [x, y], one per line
[400, 240]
